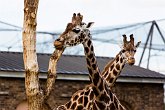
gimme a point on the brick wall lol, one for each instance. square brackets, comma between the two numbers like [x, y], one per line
[134, 96]
[141, 96]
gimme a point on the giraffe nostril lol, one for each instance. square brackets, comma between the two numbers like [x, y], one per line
[57, 39]
[132, 58]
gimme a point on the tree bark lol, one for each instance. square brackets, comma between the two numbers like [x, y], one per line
[36, 97]
[33, 91]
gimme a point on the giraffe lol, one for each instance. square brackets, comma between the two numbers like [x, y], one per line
[113, 69]
[97, 95]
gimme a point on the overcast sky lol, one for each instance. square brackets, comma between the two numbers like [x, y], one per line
[55, 14]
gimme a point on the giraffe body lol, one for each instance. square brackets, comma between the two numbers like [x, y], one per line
[98, 95]
[85, 100]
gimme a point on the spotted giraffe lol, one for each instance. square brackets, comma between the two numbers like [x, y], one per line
[113, 69]
[96, 96]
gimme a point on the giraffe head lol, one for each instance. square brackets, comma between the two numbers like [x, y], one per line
[75, 33]
[129, 49]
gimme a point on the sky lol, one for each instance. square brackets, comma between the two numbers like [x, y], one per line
[53, 15]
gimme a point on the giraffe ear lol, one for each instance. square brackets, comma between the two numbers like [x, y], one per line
[89, 24]
[137, 45]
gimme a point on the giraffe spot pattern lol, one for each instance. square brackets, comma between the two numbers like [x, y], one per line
[100, 105]
[123, 66]
[73, 105]
[118, 67]
[72, 41]
[90, 55]
[76, 39]
[104, 98]
[92, 48]
[88, 62]
[111, 97]
[81, 40]
[75, 97]
[117, 59]
[87, 92]
[112, 67]
[85, 100]
[115, 102]
[90, 72]
[112, 107]
[96, 92]
[115, 72]
[82, 93]
[89, 105]
[81, 35]
[86, 49]
[75, 43]
[106, 74]
[100, 86]
[91, 96]
[111, 80]
[94, 66]
[121, 60]
[79, 107]
[80, 100]
[68, 104]
[94, 106]
[89, 43]
[96, 78]
[93, 60]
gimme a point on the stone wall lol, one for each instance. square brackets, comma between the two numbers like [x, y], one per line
[135, 96]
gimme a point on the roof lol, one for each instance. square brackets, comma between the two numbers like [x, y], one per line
[71, 65]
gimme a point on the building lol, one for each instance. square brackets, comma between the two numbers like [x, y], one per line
[137, 88]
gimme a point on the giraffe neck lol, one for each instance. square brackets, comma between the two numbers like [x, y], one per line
[94, 72]
[100, 89]
[113, 69]
[91, 61]
[104, 99]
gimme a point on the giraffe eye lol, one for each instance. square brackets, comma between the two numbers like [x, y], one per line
[134, 50]
[123, 51]
[76, 30]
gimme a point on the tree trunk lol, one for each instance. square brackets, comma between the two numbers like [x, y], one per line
[36, 97]
[33, 91]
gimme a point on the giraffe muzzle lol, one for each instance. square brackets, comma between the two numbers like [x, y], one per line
[58, 44]
[131, 61]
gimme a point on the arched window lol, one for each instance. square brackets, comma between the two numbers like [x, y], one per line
[22, 106]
